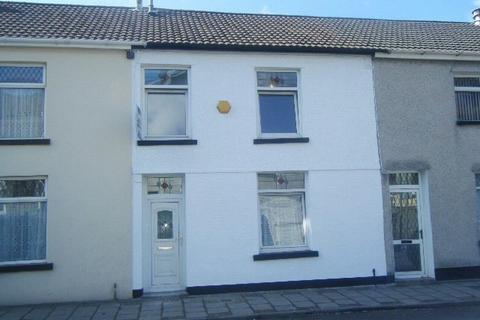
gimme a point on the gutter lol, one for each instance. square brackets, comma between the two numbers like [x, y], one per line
[70, 43]
[429, 55]
[256, 48]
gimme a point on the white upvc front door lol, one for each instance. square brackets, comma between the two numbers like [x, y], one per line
[163, 241]
[407, 226]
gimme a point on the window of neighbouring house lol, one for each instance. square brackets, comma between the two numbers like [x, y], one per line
[166, 103]
[282, 210]
[467, 97]
[22, 101]
[278, 103]
[23, 219]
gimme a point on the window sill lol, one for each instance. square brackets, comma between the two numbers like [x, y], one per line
[285, 255]
[466, 123]
[280, 140]
[176, 142]
[21, 142]
[26, 267]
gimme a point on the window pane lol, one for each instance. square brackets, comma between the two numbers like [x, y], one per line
[21, 74]
[468, 105]
[21, 113]
[407, 257]
[478, 210]
[282, 220]
[404, 215]
[165, 224]
[277, 113]
[22, 188]
[165, 77]
[403, 178]
[281, 180]
[164, 185]
[276, 79]
[23, 231]
[467, 82]
[166, 114]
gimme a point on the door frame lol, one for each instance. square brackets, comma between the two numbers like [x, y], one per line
[149, 200]
[424, 217]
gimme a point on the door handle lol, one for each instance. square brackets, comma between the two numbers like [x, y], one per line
[421, 234]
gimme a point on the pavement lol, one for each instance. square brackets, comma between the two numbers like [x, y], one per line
[439, 313]
[260, 305]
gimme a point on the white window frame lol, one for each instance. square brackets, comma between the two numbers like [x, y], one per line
[29, 85]
[283, 192]
[295, 91]
[165, 89]
[28, 199]
[465, 89]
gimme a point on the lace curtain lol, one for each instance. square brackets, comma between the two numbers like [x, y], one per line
[21, 113]
[23, 231]
[282, 221]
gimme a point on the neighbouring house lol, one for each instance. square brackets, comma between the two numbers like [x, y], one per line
[153, 150]
[428, 110]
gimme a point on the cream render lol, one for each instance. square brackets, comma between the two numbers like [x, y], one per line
[87, 167]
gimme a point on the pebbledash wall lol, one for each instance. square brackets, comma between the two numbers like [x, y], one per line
[87, 166]
[343, 191]
[418, 132]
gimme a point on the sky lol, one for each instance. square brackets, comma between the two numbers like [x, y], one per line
[442, 10]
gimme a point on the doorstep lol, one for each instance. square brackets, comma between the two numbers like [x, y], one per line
[249, 305]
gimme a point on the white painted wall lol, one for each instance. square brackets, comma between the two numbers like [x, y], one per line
[344, 203]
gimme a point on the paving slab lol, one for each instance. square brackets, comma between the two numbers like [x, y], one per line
[249, 305]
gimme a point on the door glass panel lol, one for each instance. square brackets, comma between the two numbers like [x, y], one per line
[403, 178]
[407, 257]
[164, 185]
[165, 224]
[404, 215]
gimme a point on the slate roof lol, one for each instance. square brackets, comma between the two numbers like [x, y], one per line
[215, 30]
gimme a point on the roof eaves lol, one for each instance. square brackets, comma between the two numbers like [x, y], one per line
[262, 48]
[74, 43]
[430, 55]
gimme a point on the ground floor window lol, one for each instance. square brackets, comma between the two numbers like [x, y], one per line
[282, 210]
[23, 219]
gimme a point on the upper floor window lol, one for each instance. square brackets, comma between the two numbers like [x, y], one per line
[166, 103]
[282, 211]
[278, 103]
[467, 96]
[23, 219]
[22, 101]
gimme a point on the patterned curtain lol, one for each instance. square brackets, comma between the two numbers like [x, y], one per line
[21, 113]
[23, 231]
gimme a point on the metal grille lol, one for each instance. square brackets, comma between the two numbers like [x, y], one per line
[467, 98]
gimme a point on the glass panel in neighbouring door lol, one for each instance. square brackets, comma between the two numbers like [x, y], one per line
[407, 257]
[404, 215]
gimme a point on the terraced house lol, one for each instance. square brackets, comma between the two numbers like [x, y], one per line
[146, 150]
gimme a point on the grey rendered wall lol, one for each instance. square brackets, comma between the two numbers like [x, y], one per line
[88, 166]
[416, 114]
